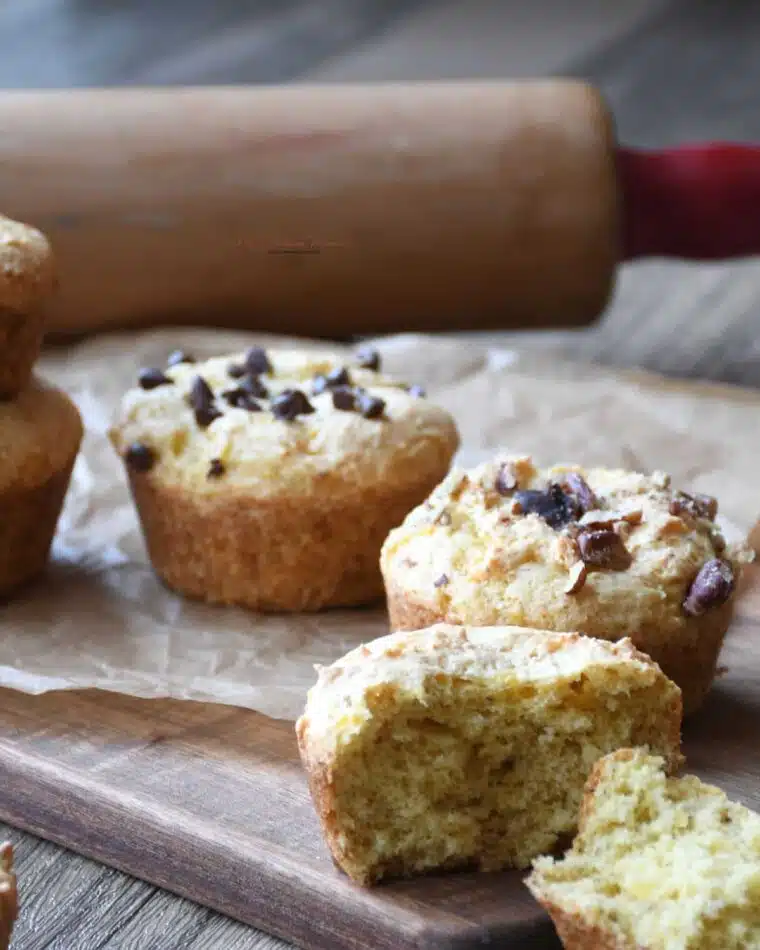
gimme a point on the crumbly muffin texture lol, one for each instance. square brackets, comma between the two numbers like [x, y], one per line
[469, 747]
[281, 421]
[606, 552]
[659, 864]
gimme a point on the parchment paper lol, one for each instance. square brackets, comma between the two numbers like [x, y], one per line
[100, 618]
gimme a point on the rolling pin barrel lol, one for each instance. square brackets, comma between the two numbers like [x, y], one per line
[325, 211]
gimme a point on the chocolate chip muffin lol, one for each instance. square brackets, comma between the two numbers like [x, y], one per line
[8, 896]
[610, 554]
[270, 479]
[27, 280]
[40, 434]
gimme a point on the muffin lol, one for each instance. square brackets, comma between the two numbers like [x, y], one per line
[40, 435]
[271, 479]
[659, 864]
[8, 896]
[27, 280]
[470, 747]
[607, 553]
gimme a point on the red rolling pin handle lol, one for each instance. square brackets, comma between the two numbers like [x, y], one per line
[695, 202]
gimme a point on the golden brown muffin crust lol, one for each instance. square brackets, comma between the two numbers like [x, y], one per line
[39, 431]
[27, 267]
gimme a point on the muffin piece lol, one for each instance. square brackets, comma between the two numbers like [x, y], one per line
[8, 896]
[659, 864]
[455, 747]
[271, 479]
[608, 553]
[27, 280]
[40, 435]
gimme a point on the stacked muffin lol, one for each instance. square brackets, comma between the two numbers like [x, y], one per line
[40, 428]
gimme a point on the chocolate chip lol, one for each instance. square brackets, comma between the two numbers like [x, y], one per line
[712, 587]
[336, 377]
[697, 506]
[253, 385]
[215, 468]
[574, 484]
[204, 417]
[371, 407]
[368, 358]
[201, 399]
[257, 361]
[553, 505]
[290, 404]
[442, 581]
[506, 481]
[604, 549]
[344, 399]
[236, 370]
[239, 398]
[179, 356]
[140, 457]
[417, 391]
[152, 379]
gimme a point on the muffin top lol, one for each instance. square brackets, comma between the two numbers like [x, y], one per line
[27, 266]
[603, 551]
[356, 687]
[40, 430]
[281, 421]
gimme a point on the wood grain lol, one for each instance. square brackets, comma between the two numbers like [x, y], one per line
[210, 802]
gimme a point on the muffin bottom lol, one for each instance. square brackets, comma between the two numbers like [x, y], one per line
[690, 664]
[28, 520]
[279, 555]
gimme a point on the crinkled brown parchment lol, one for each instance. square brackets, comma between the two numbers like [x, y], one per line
[100, 618]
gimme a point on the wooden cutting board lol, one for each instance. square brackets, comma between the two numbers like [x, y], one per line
[210, 802]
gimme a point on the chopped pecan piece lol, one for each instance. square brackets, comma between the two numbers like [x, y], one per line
[712, 587]
[576, 485]
[577, 578]
[604, 549]
[697, 506]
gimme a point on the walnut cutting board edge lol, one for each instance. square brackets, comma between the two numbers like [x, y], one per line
[210, 802]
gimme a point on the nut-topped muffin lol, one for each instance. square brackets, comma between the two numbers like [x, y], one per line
[27, 280]
[269, 479]
[608, 553]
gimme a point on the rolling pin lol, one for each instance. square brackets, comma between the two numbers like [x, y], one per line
[342, 210]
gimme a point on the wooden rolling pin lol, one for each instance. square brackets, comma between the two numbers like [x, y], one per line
[341, 210]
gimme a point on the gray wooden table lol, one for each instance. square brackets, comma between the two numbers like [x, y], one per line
[691, 71]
